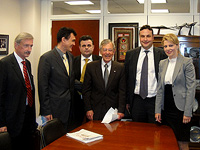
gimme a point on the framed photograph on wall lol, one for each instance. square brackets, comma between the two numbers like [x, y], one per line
[125, 37]
[4, 44]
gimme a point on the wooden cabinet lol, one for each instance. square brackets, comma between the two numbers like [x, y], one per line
[188, 41]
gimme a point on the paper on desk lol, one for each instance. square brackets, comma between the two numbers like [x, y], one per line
[85, 136]
[110, 116]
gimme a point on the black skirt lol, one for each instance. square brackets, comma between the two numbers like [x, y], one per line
[173, 117]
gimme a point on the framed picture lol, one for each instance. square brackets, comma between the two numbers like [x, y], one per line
[125, 37]
[4, 44]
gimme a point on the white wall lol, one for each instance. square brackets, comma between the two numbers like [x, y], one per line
[10, 20]
[22, 16]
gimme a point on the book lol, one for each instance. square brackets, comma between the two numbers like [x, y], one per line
[85, 136]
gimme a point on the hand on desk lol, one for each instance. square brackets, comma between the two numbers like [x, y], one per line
[90, 114]
[3, 129]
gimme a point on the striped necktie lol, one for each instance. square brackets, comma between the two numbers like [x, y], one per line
[28, 85]
[65, 61]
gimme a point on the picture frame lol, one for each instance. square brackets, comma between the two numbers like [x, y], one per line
[125, 37]
[4, 44]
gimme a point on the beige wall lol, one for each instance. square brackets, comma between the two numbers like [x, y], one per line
[22, 16]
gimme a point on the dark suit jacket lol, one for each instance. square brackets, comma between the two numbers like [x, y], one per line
[13, 95]
[78, 101]
[77, 65]
[55, 86]
[95, 94]
[131, 68]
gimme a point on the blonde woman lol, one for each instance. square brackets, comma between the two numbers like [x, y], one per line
[176, 91]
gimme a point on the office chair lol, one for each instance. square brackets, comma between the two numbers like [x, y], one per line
[51, 131]
[5, 141]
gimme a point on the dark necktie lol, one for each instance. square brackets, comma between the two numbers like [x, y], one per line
[28, 85]
[106, 74]
[144, 77]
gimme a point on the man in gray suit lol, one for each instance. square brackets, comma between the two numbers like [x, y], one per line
[56, 78]
[142, 108]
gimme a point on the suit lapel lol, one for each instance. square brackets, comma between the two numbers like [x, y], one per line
[112, 74]
[135, 57]
[70, 64]
[177, 67]
[99, 76]
[59, 61]
[164, 68]
[17, 69]
[79, 65]
[156, 60]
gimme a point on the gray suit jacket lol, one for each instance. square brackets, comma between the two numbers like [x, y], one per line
[183, 85]
[55, 86]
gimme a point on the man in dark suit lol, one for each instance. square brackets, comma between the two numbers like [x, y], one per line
[86, 46]
[104, 84]
[56, 79]
[141, 102]
[17, 94]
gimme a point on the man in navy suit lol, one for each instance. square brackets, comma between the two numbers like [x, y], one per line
[104, 84]
[17, 97]
[142, 109]
[86, 46]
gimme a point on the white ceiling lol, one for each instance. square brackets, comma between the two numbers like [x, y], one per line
[121, 6]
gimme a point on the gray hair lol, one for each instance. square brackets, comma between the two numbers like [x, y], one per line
[23, 36]
[105, 42]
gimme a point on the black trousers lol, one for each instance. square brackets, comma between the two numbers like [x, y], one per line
[143, 110]
[27, 139]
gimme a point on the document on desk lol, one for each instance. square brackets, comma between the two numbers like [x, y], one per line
[110, 116]
[85, 136]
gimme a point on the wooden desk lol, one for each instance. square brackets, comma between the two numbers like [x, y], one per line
[121, 136]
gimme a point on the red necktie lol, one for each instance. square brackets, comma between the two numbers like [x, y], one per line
[28, 85]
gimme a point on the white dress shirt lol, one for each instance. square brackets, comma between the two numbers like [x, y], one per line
[152, 81]
[170, 70]
[83, 61]
[103, 68]
[19, 60]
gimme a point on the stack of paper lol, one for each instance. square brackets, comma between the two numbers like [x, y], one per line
[110, 116]
[85, 136]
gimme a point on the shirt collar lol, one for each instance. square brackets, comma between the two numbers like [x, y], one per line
[19, 59]
[103, 63]
[150, 49]
[172, 60]
[83, 58]
[59, 52]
